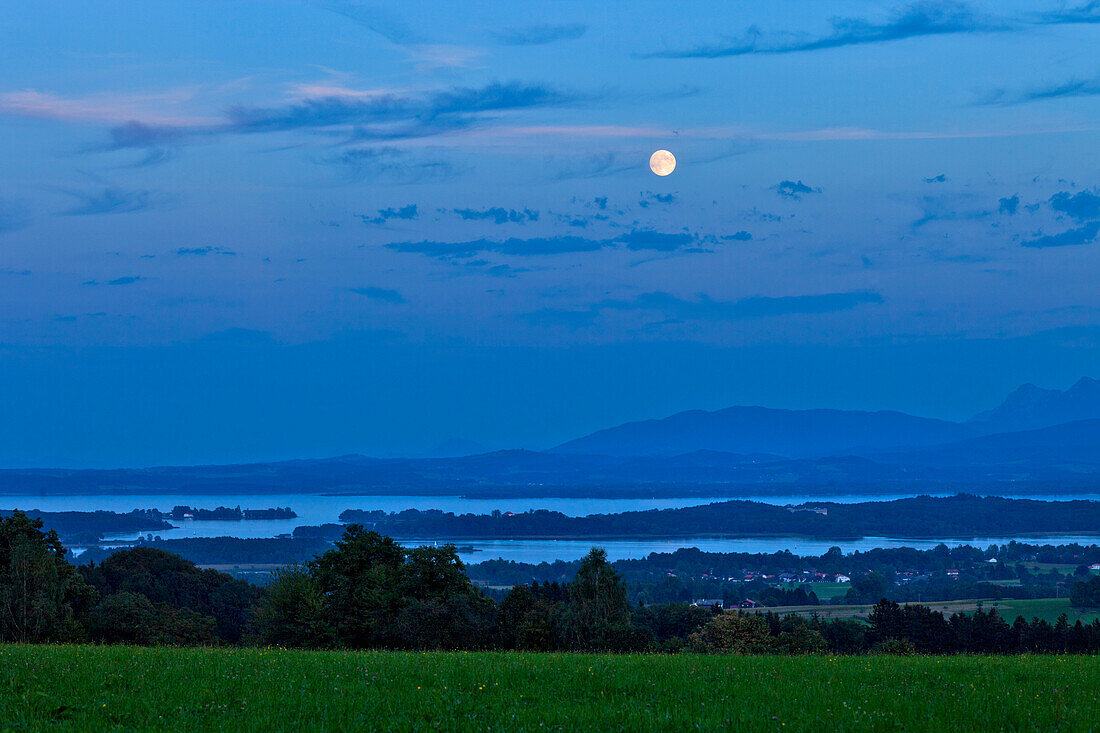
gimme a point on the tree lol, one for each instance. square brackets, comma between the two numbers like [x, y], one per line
[123, 618]
[440, 607]
[1085, 594]
[800, 640]
[368, 591]
[130, 618]
[292, 612]
[597, 614]
[173, 586]
[359, 582]
[733, 633]
[40, 592]
[869, 588]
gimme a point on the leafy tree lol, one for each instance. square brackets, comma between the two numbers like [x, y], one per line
[844, 636]
[177, 585]
[800, 640]
[359, 583]
[368, 591]
[530, 618]
[672, 624]
[597, 615]
[441, 609]
[733, 633]
[130, 618]
[868, 588]
[292, 612]
[41, 594]
[123, 618]
[1085, 594]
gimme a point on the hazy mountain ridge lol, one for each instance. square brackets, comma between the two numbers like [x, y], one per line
[789, 433]
[816, 433]
[728, 452]
[1030, 407]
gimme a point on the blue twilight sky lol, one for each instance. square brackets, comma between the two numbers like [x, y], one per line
[236, 230]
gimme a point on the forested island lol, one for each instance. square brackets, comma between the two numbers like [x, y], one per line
[959, 516]
[79, 528]
[89, 528]
[230, 513]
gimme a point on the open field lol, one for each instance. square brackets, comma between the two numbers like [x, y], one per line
[1045, 608]
[118, 688]
[824, 591]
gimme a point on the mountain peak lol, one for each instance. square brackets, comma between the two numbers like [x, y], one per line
[1085, 385]
[1029, 407]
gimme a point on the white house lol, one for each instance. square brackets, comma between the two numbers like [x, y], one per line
[842, 579]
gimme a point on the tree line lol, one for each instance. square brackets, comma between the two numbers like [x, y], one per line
[369, 592]
[923, 516]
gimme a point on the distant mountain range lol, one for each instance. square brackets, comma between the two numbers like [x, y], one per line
[813, 433]
[790, 433]
[1037, 440]
[1031, 407]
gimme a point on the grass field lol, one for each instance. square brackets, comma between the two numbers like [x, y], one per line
[117, 688]
[824, 591]
[1045, 608]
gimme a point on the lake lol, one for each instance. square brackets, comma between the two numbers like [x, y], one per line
[313, 509]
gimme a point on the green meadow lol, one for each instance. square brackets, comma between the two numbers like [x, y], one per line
[119, 688]
[1048, 609]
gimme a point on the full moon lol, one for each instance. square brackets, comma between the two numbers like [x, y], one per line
[662, 162]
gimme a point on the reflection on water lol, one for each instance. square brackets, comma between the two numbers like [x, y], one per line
[313, 509]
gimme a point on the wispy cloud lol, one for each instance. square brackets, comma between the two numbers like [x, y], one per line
[203, 251]
[705, 308]
[649, 197]
[407, 212]
[111, 201]
[648, 239]
[674, 308]
[1080, 206]
[1087, 12]
[913, 21]
[498, 215]
[436, 105]
[636, 240]
[952, 207]
[512, 247]
[384, 295]
[348, 114]
[794, 189]
[1081, 235]
[921, 19]
[134, 134]
[390, 164]
[125, 280]
[428, 56]
[103, 108]
[1065, 90]
[422, 52]
[372, 17]
[534, 35]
